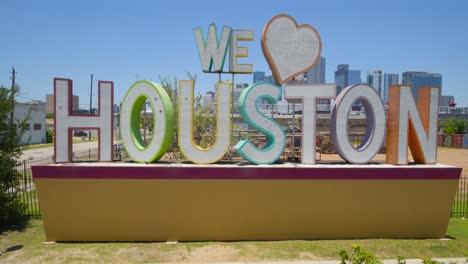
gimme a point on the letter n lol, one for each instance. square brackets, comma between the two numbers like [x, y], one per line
[413, 125]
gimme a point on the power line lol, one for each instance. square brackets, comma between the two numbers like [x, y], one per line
[13, 73]
[29, 98]
[90, 101]
[30, 107]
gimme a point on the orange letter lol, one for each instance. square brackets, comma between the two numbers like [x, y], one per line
[411, 125]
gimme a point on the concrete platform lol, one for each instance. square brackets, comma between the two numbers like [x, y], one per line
[187, 202]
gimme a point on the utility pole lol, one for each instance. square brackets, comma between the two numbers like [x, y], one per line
[13, 84]
[90, 103]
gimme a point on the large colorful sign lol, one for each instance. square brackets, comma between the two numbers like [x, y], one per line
[172, 201]
[290, 50]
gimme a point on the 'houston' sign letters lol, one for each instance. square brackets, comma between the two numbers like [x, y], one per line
[290, 49]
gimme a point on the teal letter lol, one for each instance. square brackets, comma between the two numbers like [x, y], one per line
[252, 115]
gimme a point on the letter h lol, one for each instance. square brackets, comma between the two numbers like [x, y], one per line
[65, 121]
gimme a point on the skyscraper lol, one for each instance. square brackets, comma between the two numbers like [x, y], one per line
[420, 79]
[270, 79]
[317, 74]
[447, 100]
[389, 80]
[258, 76]
[345, 77]
[375, 78]
[209, 99]
[50, 103]
[237, 90]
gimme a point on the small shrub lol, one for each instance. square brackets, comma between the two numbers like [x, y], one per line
[49, 136]
[454, 126]
[401, 260]
[343, 256]
[431, 261]
[358, 256]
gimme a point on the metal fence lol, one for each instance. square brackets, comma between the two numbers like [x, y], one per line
[292, 150]
[460, 205]
[453, 141]
[26, 190]
[92, 154]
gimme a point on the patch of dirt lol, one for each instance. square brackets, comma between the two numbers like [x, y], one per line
[214, 253]
[450, 156]
[307, 256]
[59, 256]
[150, 254]
[454, 157]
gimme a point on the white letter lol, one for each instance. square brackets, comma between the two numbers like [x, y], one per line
[212, 53]
[309, 94]
[191, 151]
[65, 121]
[237, 52]
[375, 119]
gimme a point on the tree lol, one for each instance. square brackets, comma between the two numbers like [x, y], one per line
[146, 122]
[49, 136]
[11, 208]
[454, 126]
[171, 87]
[204, 124]
[204, 119]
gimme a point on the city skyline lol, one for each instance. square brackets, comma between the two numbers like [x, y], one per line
[375, 78]
[71, 40]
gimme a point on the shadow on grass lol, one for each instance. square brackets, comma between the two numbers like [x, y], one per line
[450, 237]
[11, 249]
[20, 225]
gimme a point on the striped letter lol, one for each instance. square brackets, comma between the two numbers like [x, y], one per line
[412, 125]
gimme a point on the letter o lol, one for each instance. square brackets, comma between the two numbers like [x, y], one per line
[163, 118]
[375, 118]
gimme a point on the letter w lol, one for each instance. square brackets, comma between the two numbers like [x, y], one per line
[212, 52]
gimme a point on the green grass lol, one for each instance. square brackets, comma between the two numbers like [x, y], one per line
[37, 146]
[46, 145]
[458, 228]
[30, 200]
[33, 251]
[459, 206]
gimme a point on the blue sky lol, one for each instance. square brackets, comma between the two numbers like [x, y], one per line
[124, 41]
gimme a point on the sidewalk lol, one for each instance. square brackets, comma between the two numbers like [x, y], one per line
[386, 261]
